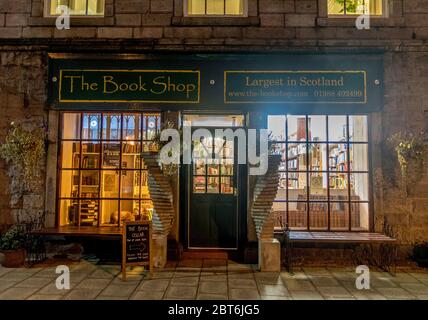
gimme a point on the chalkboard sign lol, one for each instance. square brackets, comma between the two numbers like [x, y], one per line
[137, 245]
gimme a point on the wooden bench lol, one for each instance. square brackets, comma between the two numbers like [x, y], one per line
[356, 239]
[105, 233]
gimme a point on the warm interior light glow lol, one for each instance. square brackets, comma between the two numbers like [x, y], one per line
[215, 7]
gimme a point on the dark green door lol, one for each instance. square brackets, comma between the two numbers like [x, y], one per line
[213, 197]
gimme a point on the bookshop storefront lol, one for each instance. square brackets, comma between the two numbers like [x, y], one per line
[317, 108]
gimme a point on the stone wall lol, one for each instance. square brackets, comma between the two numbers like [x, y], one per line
[22, 99]
[272, 25]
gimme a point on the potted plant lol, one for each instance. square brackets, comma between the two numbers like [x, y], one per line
[420, 254]
[12, 245]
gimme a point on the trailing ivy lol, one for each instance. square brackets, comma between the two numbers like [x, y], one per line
[24, 150]
[410, 150]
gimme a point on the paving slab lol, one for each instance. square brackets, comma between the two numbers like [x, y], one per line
[213, 287]
[176, 292]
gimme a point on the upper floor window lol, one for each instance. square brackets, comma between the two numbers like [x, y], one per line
[215, 7]
[77, 7]
[356, 7]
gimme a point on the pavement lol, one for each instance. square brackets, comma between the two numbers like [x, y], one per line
[208, 280]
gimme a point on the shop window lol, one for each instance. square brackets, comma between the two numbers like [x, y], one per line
[102, 177]
[356, 7]
[324, 173]
[214, 7]
[77, 7]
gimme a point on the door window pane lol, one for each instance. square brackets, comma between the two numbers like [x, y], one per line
[213, 185]
[227, 185]
[199, 184]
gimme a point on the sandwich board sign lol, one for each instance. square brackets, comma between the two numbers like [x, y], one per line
[136, 245]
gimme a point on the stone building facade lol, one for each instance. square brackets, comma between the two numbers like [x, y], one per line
[155, 26]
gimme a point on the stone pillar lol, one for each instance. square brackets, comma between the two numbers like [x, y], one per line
[159, 250]
[269, 255]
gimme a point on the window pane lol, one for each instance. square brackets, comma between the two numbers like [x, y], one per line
[196, 7]
[226, 168]
[111, 155]
[131, 127]
[297, 185]
[215, 7]
[95, 7]
[359, 186]
[91, 155]
[213, 185]
[276, 127]
[144, 185]
[71, 126]
[88, 212]
[337, 128]
[70, 154]
[282, 187]
[226, 185]
[109, 212]
[131, 155]
[318, 215]
[111, 126]
[318, 185]
[359, 157]
[89, 184]
[91, 126]
[129, 210]
[151, 124]
[296, 128]
[77, 7]
[68, 212]
[339, 186]
[317, 157]
[336, 7]
[234, 7]
[110, 187]
[297, 157]
[360, 216]
[130, 184]
[279, 214]
[375, 7]
[339, 215]
[69, 187]
[338, 158]
[358, 128]
[297, 215]
[317, 128]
